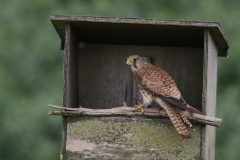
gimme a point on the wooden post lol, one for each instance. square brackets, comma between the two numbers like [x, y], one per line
[209, 92]
[70, 84]
[70, 72]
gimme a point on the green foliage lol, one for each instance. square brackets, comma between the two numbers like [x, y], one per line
[31, 68]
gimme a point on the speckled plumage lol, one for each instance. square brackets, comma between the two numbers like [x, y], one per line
[156, 84]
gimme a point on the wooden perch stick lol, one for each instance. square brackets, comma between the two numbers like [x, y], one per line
[128, 111]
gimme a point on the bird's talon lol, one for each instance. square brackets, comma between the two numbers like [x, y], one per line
[139, 107]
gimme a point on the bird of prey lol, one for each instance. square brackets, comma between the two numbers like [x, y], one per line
[156, 84]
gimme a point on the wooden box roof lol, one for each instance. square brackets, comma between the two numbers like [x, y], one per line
[139, 31]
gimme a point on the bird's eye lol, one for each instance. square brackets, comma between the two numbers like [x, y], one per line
[134, 59]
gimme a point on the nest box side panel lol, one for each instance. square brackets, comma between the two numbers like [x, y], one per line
[106, 82]
[209, 92]
[71, 47]
[69, 79]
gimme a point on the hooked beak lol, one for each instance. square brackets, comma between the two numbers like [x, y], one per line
[127, 63]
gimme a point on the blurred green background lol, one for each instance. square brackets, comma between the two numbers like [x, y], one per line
[31, 73]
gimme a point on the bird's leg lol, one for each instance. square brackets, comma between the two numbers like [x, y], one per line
[185, 119]
[139, 107]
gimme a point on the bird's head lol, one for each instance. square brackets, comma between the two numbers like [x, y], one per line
[135, 62]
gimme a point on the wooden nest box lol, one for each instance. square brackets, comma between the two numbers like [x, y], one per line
[95, 77]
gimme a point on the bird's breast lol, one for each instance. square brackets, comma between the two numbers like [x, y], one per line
[147, 98]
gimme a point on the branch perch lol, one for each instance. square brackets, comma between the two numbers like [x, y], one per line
[128, 111]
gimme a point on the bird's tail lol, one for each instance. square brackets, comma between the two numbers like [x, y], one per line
[177, 122]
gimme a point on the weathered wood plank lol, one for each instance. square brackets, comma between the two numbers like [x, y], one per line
[159, 32]
[128, 111]
[69, 79]
[64, 138]
[209, 92]
[128, 138]
[135, 20]
[70, 97]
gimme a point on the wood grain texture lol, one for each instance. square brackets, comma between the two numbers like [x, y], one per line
[65, 64]
[209, 92]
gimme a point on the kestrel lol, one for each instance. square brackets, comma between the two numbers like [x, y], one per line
[156, 84]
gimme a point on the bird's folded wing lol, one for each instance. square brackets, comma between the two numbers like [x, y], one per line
[157, 82]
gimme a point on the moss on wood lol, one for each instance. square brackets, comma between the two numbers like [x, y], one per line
[126, 138]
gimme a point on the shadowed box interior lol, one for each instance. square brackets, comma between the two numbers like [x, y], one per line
[104, 80]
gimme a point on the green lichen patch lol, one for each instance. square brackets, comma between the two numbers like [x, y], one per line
[127, 138]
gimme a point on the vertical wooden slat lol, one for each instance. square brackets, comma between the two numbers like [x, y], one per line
[65, 73]
[70, 79]
[71, 48]
[209, 92]
[64, 138]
